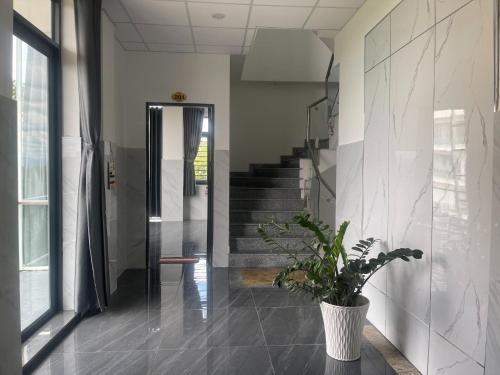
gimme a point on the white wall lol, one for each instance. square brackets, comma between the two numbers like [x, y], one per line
[349, 53]
[268, 119]
[154, 77]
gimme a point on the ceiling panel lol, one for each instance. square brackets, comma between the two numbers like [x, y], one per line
[132, 46]
[157, 12]
[221, 37]
[235, 15]
[222, 1]
[307, 3]
[115, 11]
[341, 3]
[280, 17]
[162, 47]
[225, 50]
[165, 34]
[330, 18]
[126, 32]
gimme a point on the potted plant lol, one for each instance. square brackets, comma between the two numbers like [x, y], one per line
[333, 277]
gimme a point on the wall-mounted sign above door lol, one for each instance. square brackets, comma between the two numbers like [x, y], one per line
[179, 97]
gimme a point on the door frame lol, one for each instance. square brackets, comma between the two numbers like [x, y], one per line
[210, 172]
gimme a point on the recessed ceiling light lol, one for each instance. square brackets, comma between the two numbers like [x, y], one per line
[218, 16]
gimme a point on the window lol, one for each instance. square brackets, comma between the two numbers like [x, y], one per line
[35, 68]
[201, 160]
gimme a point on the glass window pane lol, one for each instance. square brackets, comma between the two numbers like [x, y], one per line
[35, 235]
[30, 90]
[38, 12]
[31, 93]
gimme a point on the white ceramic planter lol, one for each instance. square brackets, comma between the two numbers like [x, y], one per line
[344, 328]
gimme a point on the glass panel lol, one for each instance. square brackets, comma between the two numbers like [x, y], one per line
[201, 161]
[35, 235]
[31, 90]
[38, 12]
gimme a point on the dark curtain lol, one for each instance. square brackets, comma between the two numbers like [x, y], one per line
[155, 156]
[91, 276]
[193, 125]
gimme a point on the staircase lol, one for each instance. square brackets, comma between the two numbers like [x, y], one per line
[266, 191]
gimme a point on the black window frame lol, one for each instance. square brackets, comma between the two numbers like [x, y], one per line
[206, 135]
[50, 47]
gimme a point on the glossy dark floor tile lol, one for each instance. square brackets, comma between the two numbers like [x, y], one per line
[214, 361]
[199, 321]
[292, 325]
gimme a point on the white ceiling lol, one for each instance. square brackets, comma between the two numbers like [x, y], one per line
[187, 26]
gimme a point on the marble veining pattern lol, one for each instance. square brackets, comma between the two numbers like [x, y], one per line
[172, 197]
[10, 344]
[213, 327]
[378, 43]
[446, 359]
[462, 178]
[410, 172]
[375, 162]
[446, 7]
[410, 19]
[349, 190]
[493, 328]
[221, 208]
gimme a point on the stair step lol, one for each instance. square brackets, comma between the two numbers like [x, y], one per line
[255, 216]
[260, 260]
[239, 174]
[257, 244]
[276, 172]
[324, 143]
[264, 165]
[264, 193]
[290, 161]
[267, 204]
[265, 181]
[250, 230]
[300, 152]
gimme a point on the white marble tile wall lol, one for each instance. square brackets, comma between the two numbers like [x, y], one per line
[440, 186]
[493, 329]
[376, 164]
[378, 43]
[462, 182]
[410, 172]
[410, 19]
[10, 339]
[196, 207]
[172, 197]
[446, 7]
[221, 209]
[349, 186]
[71, 159]
[135, 186]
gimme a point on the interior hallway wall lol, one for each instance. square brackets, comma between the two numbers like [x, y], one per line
[10, 338]
[416, 172]
[154, 77]
[269, 119]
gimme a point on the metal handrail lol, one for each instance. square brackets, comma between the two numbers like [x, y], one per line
[314, 161]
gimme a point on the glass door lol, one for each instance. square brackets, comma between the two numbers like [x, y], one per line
[35, 67]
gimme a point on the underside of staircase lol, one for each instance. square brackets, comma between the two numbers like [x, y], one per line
[265, 192]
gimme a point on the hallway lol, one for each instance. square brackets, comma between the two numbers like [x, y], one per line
[210, 322]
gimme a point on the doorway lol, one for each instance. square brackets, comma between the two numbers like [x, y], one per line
[180, 144]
